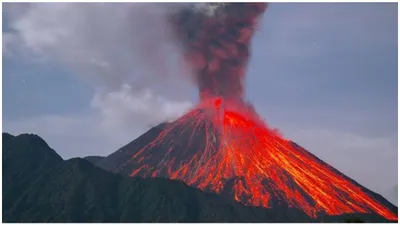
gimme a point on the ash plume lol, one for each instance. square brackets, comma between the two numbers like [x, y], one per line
[222, 145]
[215, 39]
[122, 50]
[109, 45]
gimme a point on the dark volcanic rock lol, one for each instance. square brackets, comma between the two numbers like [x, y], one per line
[94, 159]
[117, 158]
[25, 157]
[38, 186]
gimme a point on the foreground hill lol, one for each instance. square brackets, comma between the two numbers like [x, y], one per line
[94, 159]
[25, 158]
[49, 189]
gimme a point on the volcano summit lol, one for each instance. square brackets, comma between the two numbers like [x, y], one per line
[222, 145]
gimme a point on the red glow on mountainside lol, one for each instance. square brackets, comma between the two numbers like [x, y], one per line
[222, 145]
[248, 150]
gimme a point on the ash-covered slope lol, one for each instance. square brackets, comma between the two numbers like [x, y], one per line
[174, 150]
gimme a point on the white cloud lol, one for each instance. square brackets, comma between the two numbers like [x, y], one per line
[124, 50]
[113, 43]
[116, 119]
[118, 107]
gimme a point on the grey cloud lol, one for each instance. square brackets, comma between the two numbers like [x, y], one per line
[119, 106]
[109, 45]
[113, 41]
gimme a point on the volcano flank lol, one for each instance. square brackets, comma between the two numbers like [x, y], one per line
[222, 145]
[240, 157]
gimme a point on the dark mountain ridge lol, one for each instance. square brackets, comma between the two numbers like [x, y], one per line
[94, 159]
[25, 157]
[76, 191]
[38, 186]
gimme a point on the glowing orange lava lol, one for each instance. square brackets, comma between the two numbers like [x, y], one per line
[264, 166]
[223, 146]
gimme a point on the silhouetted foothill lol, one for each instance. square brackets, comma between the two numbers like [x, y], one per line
[74, 190]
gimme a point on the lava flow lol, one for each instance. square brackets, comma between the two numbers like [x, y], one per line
[223, 146]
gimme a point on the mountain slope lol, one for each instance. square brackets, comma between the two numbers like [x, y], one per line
[94, 159]
[25, 157]
[115, 159]
[94, 195]
[77, 191]
[375, 195]
[175, 151]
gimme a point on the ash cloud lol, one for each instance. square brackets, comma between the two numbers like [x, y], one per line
[157, 47]
[111, 46]
[117, 42]
[215, 39]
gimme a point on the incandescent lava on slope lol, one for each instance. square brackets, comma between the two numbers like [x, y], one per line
[222, 145]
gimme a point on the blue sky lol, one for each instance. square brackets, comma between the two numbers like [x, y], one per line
[82, 77]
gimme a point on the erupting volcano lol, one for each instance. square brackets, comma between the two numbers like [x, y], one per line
[222, 145]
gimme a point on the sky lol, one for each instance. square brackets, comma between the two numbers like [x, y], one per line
[89, 78]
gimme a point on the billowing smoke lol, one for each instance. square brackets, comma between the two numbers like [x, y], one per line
[125, 51]
[216, 38]
[140, 45]
[133, 53]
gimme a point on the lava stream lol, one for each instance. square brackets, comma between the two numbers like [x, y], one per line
[239, 145]
[223, 146]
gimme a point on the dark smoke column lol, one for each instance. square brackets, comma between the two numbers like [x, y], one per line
[216, 39]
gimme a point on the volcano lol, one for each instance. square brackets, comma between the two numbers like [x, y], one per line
[242, 158]
[222, 145]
